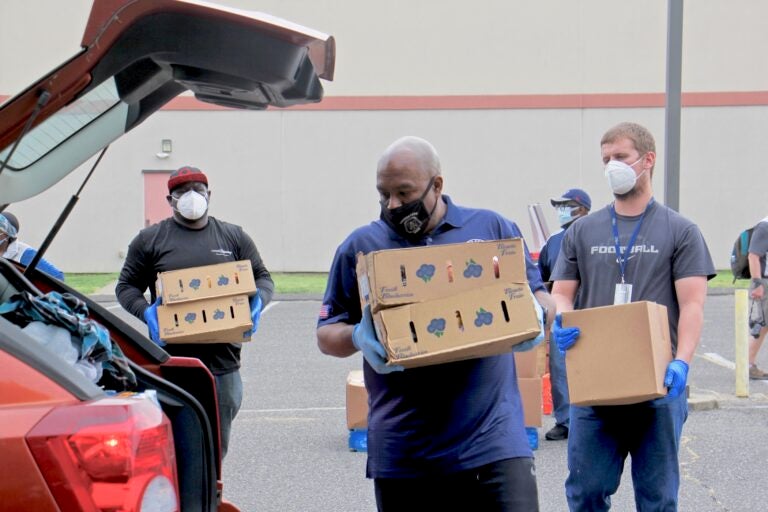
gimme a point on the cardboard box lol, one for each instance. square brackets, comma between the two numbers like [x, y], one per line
[530, 393]
[357, 401]
[527, 363]
[542, 358]
[396, 277]
[217, 320]
[621, 356]
[475, 323]
[205, 282]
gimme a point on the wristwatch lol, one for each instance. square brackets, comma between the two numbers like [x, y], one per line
[757, 281]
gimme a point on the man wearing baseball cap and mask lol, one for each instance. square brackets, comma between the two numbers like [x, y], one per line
[573, 204]
[192, 238]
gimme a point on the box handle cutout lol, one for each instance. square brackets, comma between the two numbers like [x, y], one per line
[496, 268]
[232, 311]
[459, 321]
[504, 310]
[403, 277]
[205, 319]
[209, 281]
[413, 332]
[449, 269]
[181, 285]
[175, 319]
[237, 278]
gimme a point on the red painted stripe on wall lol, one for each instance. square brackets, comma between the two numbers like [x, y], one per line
[503, 102]
[512, 101]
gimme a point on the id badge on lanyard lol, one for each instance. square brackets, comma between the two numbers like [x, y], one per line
[623, 292]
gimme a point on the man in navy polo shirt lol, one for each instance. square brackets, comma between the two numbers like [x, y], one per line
[573, 204]
[443, 437]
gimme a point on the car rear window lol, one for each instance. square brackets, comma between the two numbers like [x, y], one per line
[62, 125]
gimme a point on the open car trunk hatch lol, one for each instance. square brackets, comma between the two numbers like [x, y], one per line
[136, 56]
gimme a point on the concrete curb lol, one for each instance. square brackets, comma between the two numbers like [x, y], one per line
[702, 402]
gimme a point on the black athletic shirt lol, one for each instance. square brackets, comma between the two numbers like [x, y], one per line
[168, 245]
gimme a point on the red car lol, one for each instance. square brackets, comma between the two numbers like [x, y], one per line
[149, 442]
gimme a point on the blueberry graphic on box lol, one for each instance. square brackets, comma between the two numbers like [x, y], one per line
[472, 269]
[218, 314]
[194, 284]
[223, 280]
[437, 326]
[425, 272]
[190, 318]
[483, 317]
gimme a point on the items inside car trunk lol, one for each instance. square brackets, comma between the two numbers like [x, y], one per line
[59, 323]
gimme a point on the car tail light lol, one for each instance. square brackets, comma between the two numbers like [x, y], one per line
[115, 454]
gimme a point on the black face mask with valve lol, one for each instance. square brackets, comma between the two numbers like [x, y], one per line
[409, 220]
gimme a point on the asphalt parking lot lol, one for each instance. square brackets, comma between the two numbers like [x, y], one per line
[289, 448]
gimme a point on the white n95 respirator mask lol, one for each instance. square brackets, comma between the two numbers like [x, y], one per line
[621, 176]
[192, 205]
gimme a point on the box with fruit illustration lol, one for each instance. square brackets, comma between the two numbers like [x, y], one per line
[396, 277]
[216, 320]
[205, 282]
[476, 323]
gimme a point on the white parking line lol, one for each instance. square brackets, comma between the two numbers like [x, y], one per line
[301, 409]
[712, 357]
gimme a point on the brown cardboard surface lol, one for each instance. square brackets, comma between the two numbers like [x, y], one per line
[208, 281]
[530, 393]
[397, 277]
[357, 401]
[462, 326]
[542, 359]
[621, 356]
[526, 363]
[217, 320]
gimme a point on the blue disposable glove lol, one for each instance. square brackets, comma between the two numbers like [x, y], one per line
[255, 303]
[676, 377]
[150, 318]
[564, 337]
[529, 344]
[364, 339]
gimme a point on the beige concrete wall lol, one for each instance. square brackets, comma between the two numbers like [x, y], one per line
[299, 181]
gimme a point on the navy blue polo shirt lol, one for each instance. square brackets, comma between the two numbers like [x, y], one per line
[548, 254]
[435, 419]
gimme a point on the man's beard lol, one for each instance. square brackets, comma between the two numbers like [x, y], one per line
[636, 191]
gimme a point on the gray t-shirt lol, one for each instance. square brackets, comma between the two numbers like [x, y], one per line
[668, 247]
[759, 243]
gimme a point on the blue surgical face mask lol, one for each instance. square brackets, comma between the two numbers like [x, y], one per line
[565, 214]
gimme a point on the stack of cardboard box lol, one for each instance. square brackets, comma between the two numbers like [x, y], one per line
[529, 384]
[206, 304]
[357, 411]
[444, 303]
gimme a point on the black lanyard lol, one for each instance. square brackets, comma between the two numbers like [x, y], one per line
[621, 259]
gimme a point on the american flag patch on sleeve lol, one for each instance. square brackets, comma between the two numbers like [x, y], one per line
[325, 311]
